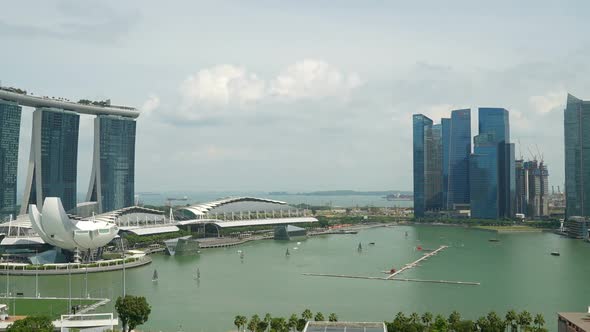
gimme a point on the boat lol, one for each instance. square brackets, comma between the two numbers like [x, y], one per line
[372, 243]
[287, 253]
[198, 274]
[494, 240]
[555, 253]
[155, 276]
[360, 248]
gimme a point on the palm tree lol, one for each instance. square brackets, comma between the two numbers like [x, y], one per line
[243, 322]
[319, 317]
[524, 320]
[511, 320]
[278, 324]
[307, 315]
[292, 324]
[539, 321]
[482, 323]
[267, 319]
[332, 317]
[414, 318]
[237, 322]
[495, 322]
[253, 324]
[454, 319]
[440, 323]
[427, 318]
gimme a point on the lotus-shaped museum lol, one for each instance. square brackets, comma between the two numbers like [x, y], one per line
[54, 226]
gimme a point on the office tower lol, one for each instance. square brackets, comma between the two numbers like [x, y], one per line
[458, 160]
[446, 150]
[433, 152]
[492, 176]
[52, 169]
[420, 124]
[577, 160]
[10, 114]
[521, 180]
[112, 182]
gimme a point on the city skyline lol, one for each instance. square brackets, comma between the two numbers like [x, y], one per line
[302, 94]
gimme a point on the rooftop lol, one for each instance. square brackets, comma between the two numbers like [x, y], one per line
[345, 327]
[580, 319]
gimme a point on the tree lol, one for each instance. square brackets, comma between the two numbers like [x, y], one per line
[319, 317]
[332, 317]
[414, 318]
[539, 321]
[524, 320]
[253, 324]
[301, 324]
[240, 321]
[496, 324]
[133, 311]
[267, 319]
[292, 324]
[278, 324]
[307, 315]
[262, 326]
[441, 324]
[427, 318]
[465, 326]
[454, 319]
[482, 324]
[511, 320]
[32, 323]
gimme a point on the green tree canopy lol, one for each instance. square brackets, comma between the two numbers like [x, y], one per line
[133, 311]
[32, 323]
[307, 314]
[333, 317]
[319, 317]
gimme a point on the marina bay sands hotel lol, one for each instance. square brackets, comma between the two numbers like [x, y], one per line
[52, 169]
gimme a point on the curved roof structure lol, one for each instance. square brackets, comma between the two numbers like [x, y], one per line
[203, 209]
[34, 101]
[55, 227]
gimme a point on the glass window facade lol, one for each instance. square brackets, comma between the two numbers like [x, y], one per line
[492, 167]
[420, 124]
[10, 116]
[459, 151]
[577, 157]
[113, 182]
[54, 153]
[446, 149]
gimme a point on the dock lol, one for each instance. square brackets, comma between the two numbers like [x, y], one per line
[392, 276]
[415, 263]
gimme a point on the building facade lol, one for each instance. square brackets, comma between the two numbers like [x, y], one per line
[422, 132]
[112, 181]
[577, 163]
[52, 169]
[446, 152]
[10, 115]
[459, 149]
[492, 173]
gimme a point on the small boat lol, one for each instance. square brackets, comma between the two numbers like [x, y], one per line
[494, 240]
[371, 243]
[241, 254]
[287, 253]
[198, 274]
[555, 253]
[360, 248]
[298, 243]
[155, 276]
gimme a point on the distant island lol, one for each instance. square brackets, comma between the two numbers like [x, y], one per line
[386, 193]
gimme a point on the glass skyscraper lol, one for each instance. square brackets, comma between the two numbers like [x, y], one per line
[420, 123]
[10, 115]
[492, 174]
[459, 148]
[112, 183]
[53, 164]
[446, 149]
[577, 157]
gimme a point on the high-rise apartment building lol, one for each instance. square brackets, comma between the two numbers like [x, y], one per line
[532, 188]
[577, 158]
[112, 183]
[10, 114]
[52, 169]
[459, 149]
[492, 175]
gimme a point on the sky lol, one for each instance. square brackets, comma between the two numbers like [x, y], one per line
[297, 95]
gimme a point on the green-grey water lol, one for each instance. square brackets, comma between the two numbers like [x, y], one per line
[517, 272]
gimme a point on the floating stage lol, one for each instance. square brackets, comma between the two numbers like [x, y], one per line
[392, 274]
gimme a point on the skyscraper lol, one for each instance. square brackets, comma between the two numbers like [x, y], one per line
[458, 161]
[492, 177]
[10, 114]
[112, 183]
[446, 150]
[433, 153]
[577, 158]
[521, 196]
[52, 170]
[420, 124]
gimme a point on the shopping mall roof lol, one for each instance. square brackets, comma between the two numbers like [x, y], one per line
[205, 208]
[344, 327]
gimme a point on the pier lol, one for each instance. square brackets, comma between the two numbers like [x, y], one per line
[392, 276]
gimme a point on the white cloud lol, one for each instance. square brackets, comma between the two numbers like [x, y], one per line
[225, 88]
[150, 105]
[221, 86]
[312, 79]
[548, 102]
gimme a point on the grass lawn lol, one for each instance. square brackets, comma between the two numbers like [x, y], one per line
[510, 229]
[49, 307]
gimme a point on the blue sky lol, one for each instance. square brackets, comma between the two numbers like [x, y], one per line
[298, 95]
